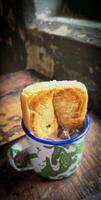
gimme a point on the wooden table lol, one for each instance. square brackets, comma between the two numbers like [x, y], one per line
[28, 185]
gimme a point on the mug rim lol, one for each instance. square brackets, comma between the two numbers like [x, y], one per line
[59, 142]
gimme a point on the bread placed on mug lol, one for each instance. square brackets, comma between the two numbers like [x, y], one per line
[37, 109]
[70, 104]
[48, 105]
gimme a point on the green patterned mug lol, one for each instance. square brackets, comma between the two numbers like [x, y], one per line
[50, 159]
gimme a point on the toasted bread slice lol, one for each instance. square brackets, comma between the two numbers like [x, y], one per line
[47, 105]
[37, 109]
[70, 104]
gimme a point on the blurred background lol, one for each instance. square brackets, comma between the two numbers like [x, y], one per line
[44, 40]
[60, 39]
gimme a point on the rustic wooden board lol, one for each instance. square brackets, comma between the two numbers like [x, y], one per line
[84, 182]
[10, 110]
[28, 185]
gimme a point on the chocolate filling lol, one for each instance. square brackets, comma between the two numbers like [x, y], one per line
[64, 134]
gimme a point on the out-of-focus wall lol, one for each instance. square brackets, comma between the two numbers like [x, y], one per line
[12, 42]
[56, 47]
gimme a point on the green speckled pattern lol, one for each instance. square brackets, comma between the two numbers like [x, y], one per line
[50, 161]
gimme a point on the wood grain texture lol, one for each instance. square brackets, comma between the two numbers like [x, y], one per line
[10, 117]
[84, 182]
[10, 110]
[28, 185]
[14, 82]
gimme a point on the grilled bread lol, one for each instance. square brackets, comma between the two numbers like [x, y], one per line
[48, 105]
[70, 104]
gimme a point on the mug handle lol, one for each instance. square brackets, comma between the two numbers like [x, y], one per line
[18, 155]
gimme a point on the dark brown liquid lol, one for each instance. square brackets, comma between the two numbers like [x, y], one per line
[64, 134]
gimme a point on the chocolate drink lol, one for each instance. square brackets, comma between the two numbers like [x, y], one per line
[64, 134]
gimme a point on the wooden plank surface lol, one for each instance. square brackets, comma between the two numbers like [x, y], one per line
[10, 110]
[28, 185]
[84, 182]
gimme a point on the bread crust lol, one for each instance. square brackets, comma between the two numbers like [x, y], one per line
[37, 109]
[48, 105]
[70, 107]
